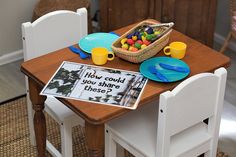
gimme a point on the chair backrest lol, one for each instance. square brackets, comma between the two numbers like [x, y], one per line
[196, 99]
[53, 31]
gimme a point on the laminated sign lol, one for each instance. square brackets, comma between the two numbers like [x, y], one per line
[96, 84]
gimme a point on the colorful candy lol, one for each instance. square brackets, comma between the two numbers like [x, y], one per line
[157, 32]
[123, 41]
[139, 39]
[149, 30]
[137, 45]
[134, 38]
[130, 41]
[139, 36]
[149, 37]
[146, 42]
[131, 48]
[134, 49]
[130, 35]
[143, 38]
[125, 46]
[143, 46]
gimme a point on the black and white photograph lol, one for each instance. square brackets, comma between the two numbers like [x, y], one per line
[96, 84]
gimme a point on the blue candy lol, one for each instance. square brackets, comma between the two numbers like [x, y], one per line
[129, 36]
[149, 30]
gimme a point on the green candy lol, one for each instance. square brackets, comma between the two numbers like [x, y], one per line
[137, 45]
[149, 37]
[153, 35]
[142, 34]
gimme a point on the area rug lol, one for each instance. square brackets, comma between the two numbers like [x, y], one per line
[14, 133]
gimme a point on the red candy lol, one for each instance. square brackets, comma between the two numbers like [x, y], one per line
[146, 42]
[130, 41]
[139, 41]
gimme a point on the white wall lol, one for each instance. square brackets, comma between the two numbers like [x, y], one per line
[12, 14]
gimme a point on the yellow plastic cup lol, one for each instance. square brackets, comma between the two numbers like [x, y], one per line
[101, 55]
[176, 50]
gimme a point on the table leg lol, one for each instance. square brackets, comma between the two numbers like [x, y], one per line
[95, 139]
[39, 118]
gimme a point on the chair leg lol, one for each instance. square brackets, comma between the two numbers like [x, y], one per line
[30, 121]
[66, 140]
[110, 145]
[226, 43]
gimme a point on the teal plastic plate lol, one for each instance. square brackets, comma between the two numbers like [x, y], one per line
[97, 40]
[171, 75]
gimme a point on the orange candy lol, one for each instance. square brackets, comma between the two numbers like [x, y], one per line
[134, 49]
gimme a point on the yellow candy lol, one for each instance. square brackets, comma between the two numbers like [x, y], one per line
[134, 38]
[130, 48]
[123, 41]
[143, 38]
[125, 46]
[157, 32]
[143, 46]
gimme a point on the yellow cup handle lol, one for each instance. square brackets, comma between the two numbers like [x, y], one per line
[167, 48]
[110, 58]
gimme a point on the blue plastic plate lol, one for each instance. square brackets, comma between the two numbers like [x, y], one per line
[171, 75]
[97, 40]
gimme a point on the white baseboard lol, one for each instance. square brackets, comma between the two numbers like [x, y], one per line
[219, 39]
[11, 57]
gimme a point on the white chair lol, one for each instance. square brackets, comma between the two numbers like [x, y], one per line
[51, 32]
[175, 127]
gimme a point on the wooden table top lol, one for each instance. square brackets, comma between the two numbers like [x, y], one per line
[199, 57]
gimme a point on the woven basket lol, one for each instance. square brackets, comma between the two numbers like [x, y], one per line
[143, 54]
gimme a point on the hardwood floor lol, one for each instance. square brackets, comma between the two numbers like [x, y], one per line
[12, 81]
